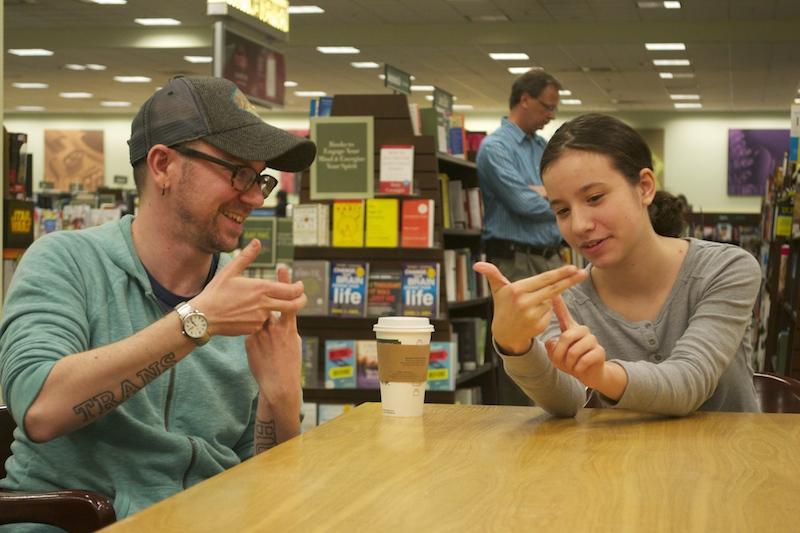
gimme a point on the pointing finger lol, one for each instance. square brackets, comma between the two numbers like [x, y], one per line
[565, 320]
[241, 261]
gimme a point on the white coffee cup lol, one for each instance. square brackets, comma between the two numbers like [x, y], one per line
[403, 352]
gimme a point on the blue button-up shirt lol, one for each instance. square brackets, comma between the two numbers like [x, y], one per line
[508, 163]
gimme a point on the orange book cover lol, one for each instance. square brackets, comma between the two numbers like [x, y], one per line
[417, 224]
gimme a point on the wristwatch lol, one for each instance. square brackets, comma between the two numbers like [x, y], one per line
[195, 323]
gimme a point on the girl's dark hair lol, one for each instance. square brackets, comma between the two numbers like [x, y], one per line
[628, 153]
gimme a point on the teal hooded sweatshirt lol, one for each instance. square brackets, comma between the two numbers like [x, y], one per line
[78, 290]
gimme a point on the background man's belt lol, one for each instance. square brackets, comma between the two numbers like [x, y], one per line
[503, 248]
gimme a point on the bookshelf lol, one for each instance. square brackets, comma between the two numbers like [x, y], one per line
[741, 229]
[392, 126]
[776, 308]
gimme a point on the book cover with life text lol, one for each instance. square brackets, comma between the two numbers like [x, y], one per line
[421, 289]
[348, 296]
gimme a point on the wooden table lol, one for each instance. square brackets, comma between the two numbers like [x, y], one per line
[488, 468]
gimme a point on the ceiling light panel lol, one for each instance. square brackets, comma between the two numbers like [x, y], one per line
[157, 22]
[305, 10]
[198, 59]
[671, 62]
[364, 64]
[75, 94]
[657, 47]
[29, 108]
[509, 56]
[310, 94]
[338, 50]
[133, 79]
[30, 85]
[688, 105]
[30, 52]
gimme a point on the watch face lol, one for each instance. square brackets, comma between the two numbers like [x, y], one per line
[195, 325]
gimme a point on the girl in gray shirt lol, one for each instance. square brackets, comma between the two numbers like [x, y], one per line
[656, 323]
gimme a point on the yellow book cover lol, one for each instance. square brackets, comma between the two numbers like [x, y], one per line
[382, 222]
[348, 223]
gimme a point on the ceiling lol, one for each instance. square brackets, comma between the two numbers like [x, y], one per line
[745, 54]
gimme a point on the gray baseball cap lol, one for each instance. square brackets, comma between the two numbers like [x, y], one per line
[216, 111]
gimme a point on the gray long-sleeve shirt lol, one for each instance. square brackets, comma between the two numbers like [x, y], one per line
[696, 354]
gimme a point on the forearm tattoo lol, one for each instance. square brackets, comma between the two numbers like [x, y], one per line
[100, 404]
[266, 436]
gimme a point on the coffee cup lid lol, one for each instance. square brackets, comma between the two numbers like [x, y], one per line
[403, 323]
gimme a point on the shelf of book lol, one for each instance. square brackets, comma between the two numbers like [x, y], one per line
[394, 254]
[386, 266]
[467, 304]
[462, 232]
[464, 378]
[357, 396]
[453, 160]
[321, 395]
[360, 328]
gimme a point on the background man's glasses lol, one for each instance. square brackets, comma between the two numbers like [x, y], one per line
[242, 176]
[549, 108]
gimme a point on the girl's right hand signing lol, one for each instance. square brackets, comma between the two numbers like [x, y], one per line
[578, 353]
[522, 310]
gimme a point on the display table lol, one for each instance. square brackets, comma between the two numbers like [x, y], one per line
[490, 468]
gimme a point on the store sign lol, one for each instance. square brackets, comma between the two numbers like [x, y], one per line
[273, 13]
[442, 99]
[344, 167]
[258, 71]
[396, 79]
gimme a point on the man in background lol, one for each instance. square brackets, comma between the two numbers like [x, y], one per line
[134, 357]
[520, 235]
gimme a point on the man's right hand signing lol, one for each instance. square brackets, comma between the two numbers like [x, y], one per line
[235, 305]
[523, 309]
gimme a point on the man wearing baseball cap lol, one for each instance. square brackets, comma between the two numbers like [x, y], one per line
[134, 357]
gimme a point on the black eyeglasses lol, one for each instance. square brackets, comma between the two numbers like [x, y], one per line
[547, 107]
[242, 176]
